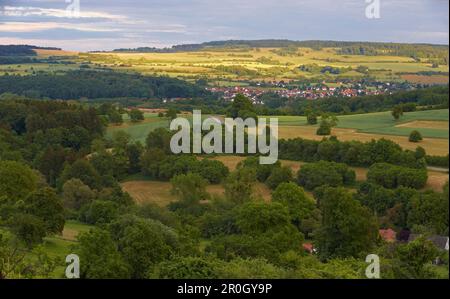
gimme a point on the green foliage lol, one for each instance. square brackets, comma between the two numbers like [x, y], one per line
[415, 136]
[392, 205]
[159, 139]
[241, 107]
[430, 209]
[16, 180]
[278, 176]
[311, 119]
[392, 176]
[14, 263]
[397, 112]
[104, 84]
[353, 153]
[186, 268]
[238, 185]
[263, 171]
[190, 187]
[136, 115]
[47, 206]
[82, 170]
[143, 243]
[255, 217]
[294, 198]
[348, 229]
[326, 124]
[212, 170]
[322, 173]
[99, 257]
[171, 113]
[99, 212]
[414, 256]
[28, 228]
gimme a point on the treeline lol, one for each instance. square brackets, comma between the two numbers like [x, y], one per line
[353, 153]
[438, 53]
[21, 50]
[98, 84]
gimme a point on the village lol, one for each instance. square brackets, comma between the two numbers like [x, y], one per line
[308, 92]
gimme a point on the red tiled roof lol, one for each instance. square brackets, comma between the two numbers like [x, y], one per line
[308, 247]
[388, 235]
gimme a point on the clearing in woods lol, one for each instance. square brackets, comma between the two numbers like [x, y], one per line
[160, 192]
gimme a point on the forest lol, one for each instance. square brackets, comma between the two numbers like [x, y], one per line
[98, 84]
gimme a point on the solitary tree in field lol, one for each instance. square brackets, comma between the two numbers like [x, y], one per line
[311, 118]
[327, 123]
[397, 112]
[415, 136]
[171, 113]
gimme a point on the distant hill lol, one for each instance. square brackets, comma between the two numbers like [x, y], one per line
[21, 50]
[430, 51]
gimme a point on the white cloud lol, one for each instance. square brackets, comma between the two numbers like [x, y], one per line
[29, 11]
[34, 26]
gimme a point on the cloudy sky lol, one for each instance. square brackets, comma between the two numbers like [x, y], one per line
[109, 24]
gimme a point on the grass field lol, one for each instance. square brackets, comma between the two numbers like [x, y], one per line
[139, 131]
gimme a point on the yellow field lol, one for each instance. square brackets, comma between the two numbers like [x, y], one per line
[433, 146]
[150, 191]
[160, 192]
[437, 180]
[47, 53]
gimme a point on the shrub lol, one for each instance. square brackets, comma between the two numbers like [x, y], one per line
[415, 136]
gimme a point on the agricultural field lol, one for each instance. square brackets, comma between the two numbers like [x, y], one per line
[261, 64]
[432, 124]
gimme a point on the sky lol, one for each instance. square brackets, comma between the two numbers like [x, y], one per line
[111, 24]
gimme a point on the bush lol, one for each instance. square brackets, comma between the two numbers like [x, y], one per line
[279, 175]
[136, 115]
[415, 136]
[311, 119]
[324, 129]
[211, 170]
